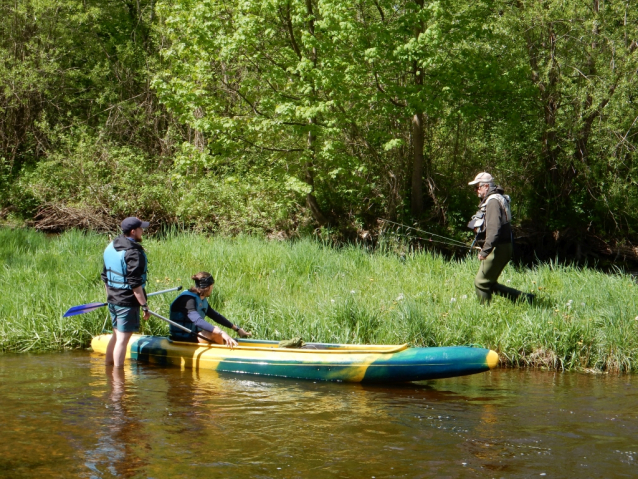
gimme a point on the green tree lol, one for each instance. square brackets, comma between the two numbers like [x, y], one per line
[583, 64]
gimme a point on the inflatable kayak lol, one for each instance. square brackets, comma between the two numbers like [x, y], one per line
[315, 361]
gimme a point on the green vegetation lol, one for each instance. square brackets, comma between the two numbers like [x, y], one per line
[279, 116]
[278, 290]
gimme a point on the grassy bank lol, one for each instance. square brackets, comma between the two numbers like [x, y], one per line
[583, 318]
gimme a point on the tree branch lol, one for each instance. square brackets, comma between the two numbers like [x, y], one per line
[239, 94]
[283, 150]
[380, 88]
[376, 3]
[291, 32]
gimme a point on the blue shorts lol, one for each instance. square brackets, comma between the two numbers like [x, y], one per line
[125, 319]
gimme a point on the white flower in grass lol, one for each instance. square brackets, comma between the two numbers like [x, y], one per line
[400, 297]
[508, 281]
[464, 296]
[569, 303]
[332, 301]
[452, 300]
[582, 304]
[636, 318]
[352, 292]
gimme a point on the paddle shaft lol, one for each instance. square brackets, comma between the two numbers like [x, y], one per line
[173, 323]
[87, 308]
[177, 288]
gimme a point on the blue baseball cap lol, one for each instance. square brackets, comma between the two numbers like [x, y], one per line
[132, 222]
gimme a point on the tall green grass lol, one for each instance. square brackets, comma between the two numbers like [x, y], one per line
[583, 319]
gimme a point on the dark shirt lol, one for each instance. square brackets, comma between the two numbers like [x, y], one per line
[187, 305]
[135, 267]
[497, 228]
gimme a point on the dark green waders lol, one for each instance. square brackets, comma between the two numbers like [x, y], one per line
[486, 281]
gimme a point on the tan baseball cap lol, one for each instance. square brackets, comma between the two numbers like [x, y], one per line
[483, 177]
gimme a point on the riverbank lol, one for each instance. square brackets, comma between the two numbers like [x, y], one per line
[583, 319]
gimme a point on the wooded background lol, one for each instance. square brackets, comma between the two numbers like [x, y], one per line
[281, 116]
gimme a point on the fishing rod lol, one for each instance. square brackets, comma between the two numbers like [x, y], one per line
[430, 240]
[455, 243]
[475, 238]
[460, 243]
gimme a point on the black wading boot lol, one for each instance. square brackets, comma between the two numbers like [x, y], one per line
[483, 297]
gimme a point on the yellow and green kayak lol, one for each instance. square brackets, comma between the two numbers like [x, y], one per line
[316, 361]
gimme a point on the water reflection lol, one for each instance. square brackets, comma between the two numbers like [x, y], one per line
[66, 415]
[120, 432]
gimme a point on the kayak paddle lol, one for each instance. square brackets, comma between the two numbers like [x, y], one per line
[179, 326]
[87, 308]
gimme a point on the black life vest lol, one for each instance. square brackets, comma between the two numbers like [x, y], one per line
[181, 317]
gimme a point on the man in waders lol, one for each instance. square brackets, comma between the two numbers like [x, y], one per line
[492, 225]
[124, 276]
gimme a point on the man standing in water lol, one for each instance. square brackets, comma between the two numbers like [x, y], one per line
[124, 276]
[492, 225]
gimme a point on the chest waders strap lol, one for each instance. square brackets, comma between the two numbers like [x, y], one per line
[504, 201]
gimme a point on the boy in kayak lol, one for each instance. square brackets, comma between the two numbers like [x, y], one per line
[124, 276]
[191, 307]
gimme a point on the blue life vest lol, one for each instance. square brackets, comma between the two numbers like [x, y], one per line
[116, 268]
[181, 318]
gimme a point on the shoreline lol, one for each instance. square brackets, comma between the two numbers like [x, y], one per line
[583, 320]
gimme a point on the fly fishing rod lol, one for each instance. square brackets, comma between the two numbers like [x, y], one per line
[449, 241]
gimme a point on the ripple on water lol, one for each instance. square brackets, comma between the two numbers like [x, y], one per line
[66, 415]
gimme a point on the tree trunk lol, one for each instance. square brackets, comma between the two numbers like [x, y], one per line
[417, 166]
[311, 199]
[416, 201]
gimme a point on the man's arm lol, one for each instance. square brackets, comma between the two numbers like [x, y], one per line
[196, 318]
[492, 226]
[220, 319]
[135, 266]
[201, 323]
[141, 298]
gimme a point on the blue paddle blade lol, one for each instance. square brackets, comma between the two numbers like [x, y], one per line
[83, 308]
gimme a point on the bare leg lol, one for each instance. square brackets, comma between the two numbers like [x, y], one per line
[216, 338]
[109, 350]
[119, 351]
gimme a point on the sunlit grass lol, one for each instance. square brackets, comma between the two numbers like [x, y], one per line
[278, 290]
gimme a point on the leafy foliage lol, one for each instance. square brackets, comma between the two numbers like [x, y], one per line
[285, 115]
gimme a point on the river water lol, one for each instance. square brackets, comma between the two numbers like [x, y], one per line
[66, 415]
